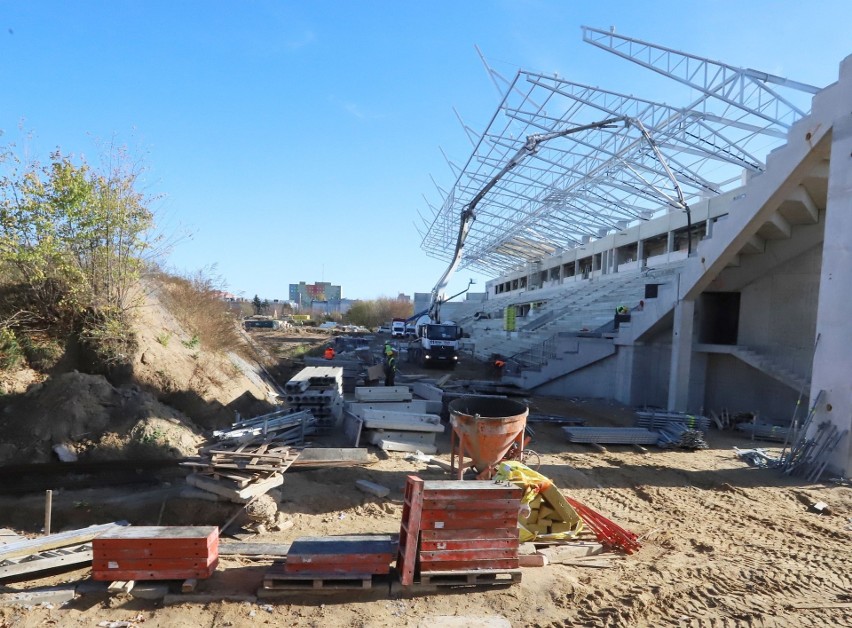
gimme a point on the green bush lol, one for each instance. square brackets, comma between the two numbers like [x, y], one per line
[11, 354]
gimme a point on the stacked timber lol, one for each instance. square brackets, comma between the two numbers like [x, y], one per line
[244, 465]
[459, 532]
[155, 553]
[318, 389]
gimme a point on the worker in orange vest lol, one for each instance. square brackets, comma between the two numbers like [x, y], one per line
[329, 353]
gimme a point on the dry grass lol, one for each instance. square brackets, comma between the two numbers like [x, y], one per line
[195, 302]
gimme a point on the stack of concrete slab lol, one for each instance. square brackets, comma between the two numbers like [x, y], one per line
[320, 390]
[406, 426]
[351, 369]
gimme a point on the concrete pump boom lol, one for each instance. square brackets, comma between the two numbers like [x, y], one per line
[530, 147]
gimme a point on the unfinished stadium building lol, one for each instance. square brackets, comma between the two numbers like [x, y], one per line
[738, 297]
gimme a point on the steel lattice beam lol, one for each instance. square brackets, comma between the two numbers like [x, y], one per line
[599, 179]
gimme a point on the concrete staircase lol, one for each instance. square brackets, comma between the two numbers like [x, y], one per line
[568, 354]
[760, 361]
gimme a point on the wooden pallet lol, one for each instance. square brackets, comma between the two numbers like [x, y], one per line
[292, 582]
[474, 577]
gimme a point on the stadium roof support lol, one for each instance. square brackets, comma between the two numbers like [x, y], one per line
[591, 182]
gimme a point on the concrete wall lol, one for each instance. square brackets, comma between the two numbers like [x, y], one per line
[778, 312]
[731, 383]
[597, 380]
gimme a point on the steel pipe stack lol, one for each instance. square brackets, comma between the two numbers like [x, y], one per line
[611, 435]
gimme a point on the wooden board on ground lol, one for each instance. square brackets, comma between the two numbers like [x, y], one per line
[333, 456]
[238, 496]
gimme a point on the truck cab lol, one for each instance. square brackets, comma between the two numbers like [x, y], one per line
[398, 328]
[436, 344]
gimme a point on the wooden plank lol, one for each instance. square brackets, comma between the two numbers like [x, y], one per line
[120, 586]
[320, 581]
[409, 533]
[239, 496]
[30, 547]
[189, 585]
[339, 569]
[74, 555]
[491, 577]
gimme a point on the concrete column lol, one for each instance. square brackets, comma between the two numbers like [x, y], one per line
[640, 251]
[833, 359]
[670, 238]
[624, 368]
[684, 316]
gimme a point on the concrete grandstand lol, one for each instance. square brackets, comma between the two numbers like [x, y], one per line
[737, 300]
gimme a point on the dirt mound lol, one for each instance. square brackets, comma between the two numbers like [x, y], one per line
[93, 419]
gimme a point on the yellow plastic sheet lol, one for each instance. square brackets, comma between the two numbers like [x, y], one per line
[536, 485]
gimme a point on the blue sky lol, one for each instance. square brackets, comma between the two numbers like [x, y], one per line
[294, 141]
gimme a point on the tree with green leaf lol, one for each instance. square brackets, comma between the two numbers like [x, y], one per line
[74, 239]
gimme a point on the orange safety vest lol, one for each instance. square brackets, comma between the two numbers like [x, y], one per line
[329, 354]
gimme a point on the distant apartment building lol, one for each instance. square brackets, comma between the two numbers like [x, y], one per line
[321, 294]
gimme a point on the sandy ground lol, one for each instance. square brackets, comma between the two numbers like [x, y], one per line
[723, 545]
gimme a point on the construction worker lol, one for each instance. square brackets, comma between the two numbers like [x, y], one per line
[389, 366]
[329, 353]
